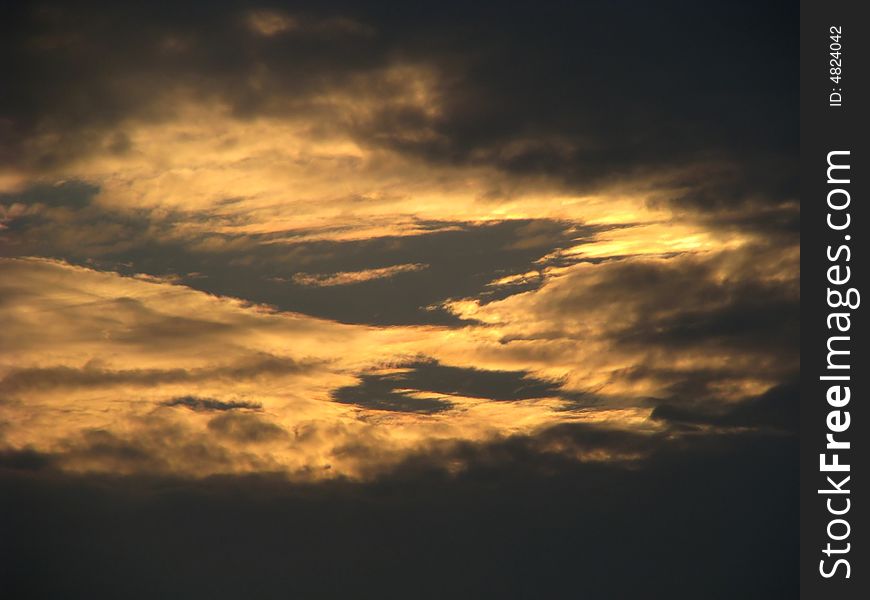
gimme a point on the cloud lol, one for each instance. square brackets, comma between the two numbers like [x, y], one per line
[270, 22]
[418, 86]
[245, 427]
[591, 341]
[275, 22]
[515, 516]
[210, 404]
[352, 277]
[225, 202]
[777, 408]
[440, 261]
[111, 350]
[27, 460]
[90, 376]
[658, 326]
[68, 194]
[157, 444]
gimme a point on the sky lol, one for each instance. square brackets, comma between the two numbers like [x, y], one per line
[375, 299]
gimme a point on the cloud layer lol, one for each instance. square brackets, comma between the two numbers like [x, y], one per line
[338, 298]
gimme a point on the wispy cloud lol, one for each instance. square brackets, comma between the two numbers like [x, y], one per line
[351, 277]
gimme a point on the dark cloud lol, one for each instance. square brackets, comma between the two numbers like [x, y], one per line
[530, 92]
[197, 403]
[70, 194]
[246, 428]
[777, 408]
[25, 460]
[708, 309]
[756, 316]
[695, 385]
[518, 521]
[677, 316]
[744, 299]
[114, 63]
[105, 449]
[394, 390]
